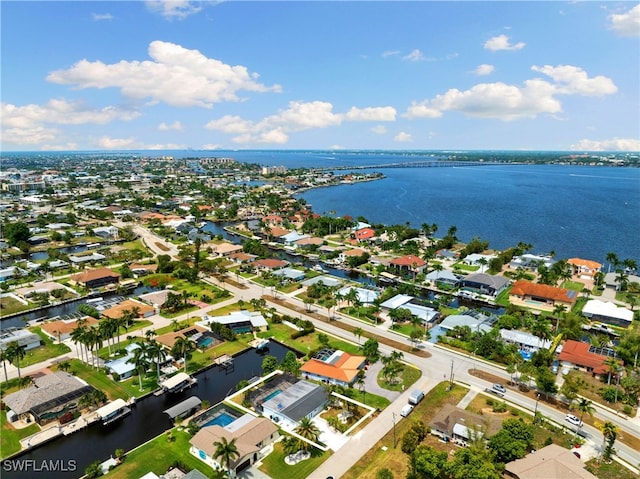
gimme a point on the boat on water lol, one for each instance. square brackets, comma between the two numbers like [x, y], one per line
[319, 269]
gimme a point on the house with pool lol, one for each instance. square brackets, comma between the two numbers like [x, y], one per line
[238, 321]
[254, 438]
[333, 366]
[287, 406]
[541, 296]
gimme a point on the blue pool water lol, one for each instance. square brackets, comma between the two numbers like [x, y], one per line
[222, 420]
[272, 395]
[204, 342]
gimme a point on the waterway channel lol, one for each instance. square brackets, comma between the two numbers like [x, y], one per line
[146, 421]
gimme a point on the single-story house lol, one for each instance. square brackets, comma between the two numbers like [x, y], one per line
[169, 339]
[156, 298]
[238, 321]
[333, 366]
[550, 462]
[11, 272]
[242, 257]
[607, 312]
[62, 328]
[50, 396]
[44, 287]
[409, 262]
[309, 242]
[25, 338]
[525, 341]
[96, 278]
[443, 277]
[143, 269]
[486, 284]
[269, 264]
[86, 258]
[364, 234]
[541, 296]
[424, 313]
[531, 262]
[475, 323]
[288, 407]
[291, 274]
[584, 268]
[611, 280]
[329, 281]
[454, 424]
[365, 296]
[253, 437]
[123, 369]
[226, 249]
[107, 232]
[446, 254]
[350, 253]
[291, 238]
[144, 310]
[476, 259]
[584, 356]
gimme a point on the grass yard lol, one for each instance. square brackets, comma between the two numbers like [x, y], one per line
[9, 305]
[10, 437]
[157, 456]
[305, 344]
[384, 455]
[407, 378]
[47, 351]
[114, 390]
[274, 466]
[609, 471]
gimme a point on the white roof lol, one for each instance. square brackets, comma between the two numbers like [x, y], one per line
[520, 337]
[454, 320]
[364, 295]
[256, 319]
[397, 301]
[595, 307]
[173, 381]
[110, 408]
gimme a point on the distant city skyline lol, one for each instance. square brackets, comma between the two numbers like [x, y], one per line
[320, 75]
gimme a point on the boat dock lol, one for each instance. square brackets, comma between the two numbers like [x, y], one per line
[225, 361]
[259, 343]
[176, 384]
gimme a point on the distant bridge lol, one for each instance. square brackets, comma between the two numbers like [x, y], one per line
[418, 164]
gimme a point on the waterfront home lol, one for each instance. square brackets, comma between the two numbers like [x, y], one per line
[457, 425]
[95, 278]
[225, 249]
[444, 277]
[487, 284]
[424, 313]
[143, 269]
[584, 356]
[118, 311]
[531, 262]
[25, 338]
[409, 262]
[607, 312]
[584, 268]
[445, 254]
[42, 287]
[254, 438]
[50, 396]
[365, 296]
[476, 259]
[106, 232]
[288, 406]
[344, 256]
[527, 343]
[551, 461]
[364, 234]
[541, 296]
[290, 274]
[61, 329]
[612, 280]
[477, 322]
[241, 257]
[309, 242]
[290, 238]
[122, 368]
[333, 367]
[268, 264]
[169, 339]
[238, 321]
[86, 258]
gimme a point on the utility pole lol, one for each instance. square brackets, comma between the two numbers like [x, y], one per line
[535, 412]
[394, 429]
[451, 376]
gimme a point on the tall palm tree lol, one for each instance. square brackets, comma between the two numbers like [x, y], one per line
[4, 357]
[15, 353]
[157, 354]
[140, 360]
[358, 332]
[226, 451]
[609, 433]
[613, 260]
[183, 347]
[77, 337]
[612, 366]
[307, 430]
[107, 329]
[585, 407]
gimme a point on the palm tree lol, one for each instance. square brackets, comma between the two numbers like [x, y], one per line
[183, 347]
[483, 262]
[307, 430]
[613, 260]
[157, 353]
[612, 365]
[15, 353]
[4, 357]
[140, 360]
[226, 451]
[585, 407]
[76, 337]
[357, 332]
[609, 433]
[107, 329]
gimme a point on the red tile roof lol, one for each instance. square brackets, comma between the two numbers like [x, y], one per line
[586, 263]
[578, 353]
[527, 288]
[365, 233]
[269, 263]
[409, 260]
[344, 369]
[94, 274]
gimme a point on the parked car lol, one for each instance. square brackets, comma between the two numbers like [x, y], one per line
[573, 420]
[416, 396]
[497, 389]
[406, 410]
[555, 366]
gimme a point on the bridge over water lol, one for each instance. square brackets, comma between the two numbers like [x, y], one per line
[418, 164]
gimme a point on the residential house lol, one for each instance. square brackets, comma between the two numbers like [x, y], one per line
[61, 329]
[96, 278]
[612, 280]
[309, 242]
[25, 338]
[409, 262]
[541, 296]
[333, 367]
[487, 284]
[238, 321]
[268, 264]
[226, 249]
[476, 259]
[445, 254]
[143, 309]
[106, 232]
[457, 425]
[607, 312]
[364, 234]
[253, 436]
[344, 256]
[365, 296]
[527, 343]
[585, 356]
[290, 274]
[143, 269]
[550, 462]
[475, 322]
[169, 339]
[288, 407]
[424, 313]
[584, 268]
[241, 257]
[444, 277]
[50, 396]
[531, 262]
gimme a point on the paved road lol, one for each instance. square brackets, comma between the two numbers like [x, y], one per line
[434, 369]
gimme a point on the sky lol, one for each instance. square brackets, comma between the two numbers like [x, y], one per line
[417, 75]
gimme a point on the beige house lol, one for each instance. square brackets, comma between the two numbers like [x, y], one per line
[550, 462]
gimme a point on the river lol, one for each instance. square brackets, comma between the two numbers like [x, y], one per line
[146, 421]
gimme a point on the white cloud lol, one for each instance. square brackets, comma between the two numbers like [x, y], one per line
[171, 9]
[177, 76]
[415, 56]
[115, 143]
[70, 146]
[484, 69]
[615, 144]
[385, 113]
[390, 53]
[176, 125]
[570, 79]
[510, 102]
[211, 146]
[29, 136]
[379, 129]
[230, 124]
[402, 137]
[502, 42]
[101, 16]
[164, 146]
[626, 24]
[303, 116]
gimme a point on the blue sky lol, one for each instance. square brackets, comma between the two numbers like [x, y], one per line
[318, 75]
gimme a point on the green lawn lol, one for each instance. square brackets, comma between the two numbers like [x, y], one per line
[10, 305]
[10, 437]
[47, 351]
[310, 342]
[157, 456]
[274, 466]
[407, 378]
[114, 390]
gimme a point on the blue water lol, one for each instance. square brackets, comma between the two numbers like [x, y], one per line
[223, 419]
[204, 342]
[272, 395]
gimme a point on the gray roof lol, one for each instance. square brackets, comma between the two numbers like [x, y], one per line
[298, 401]
[184, 406]
[489, 280]
[47, 388]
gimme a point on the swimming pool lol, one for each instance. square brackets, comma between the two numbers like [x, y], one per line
[272, 395]
[205, 342]
[223, 419]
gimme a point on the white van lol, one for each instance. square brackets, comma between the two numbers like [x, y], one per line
[415, 397]
[406, 410]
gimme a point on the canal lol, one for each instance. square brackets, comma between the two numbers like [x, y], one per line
[146, 421]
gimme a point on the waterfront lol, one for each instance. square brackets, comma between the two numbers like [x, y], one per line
[146, 421]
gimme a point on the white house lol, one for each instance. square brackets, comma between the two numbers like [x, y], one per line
[607, 312]
[303, 399]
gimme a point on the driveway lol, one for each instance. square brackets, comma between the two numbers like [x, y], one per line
[371, 383]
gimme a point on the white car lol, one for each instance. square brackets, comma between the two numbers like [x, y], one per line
[499, 388]
[571, 419]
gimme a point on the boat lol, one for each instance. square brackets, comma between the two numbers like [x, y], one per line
[113, 411]
[177, 383]
[319, 269]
